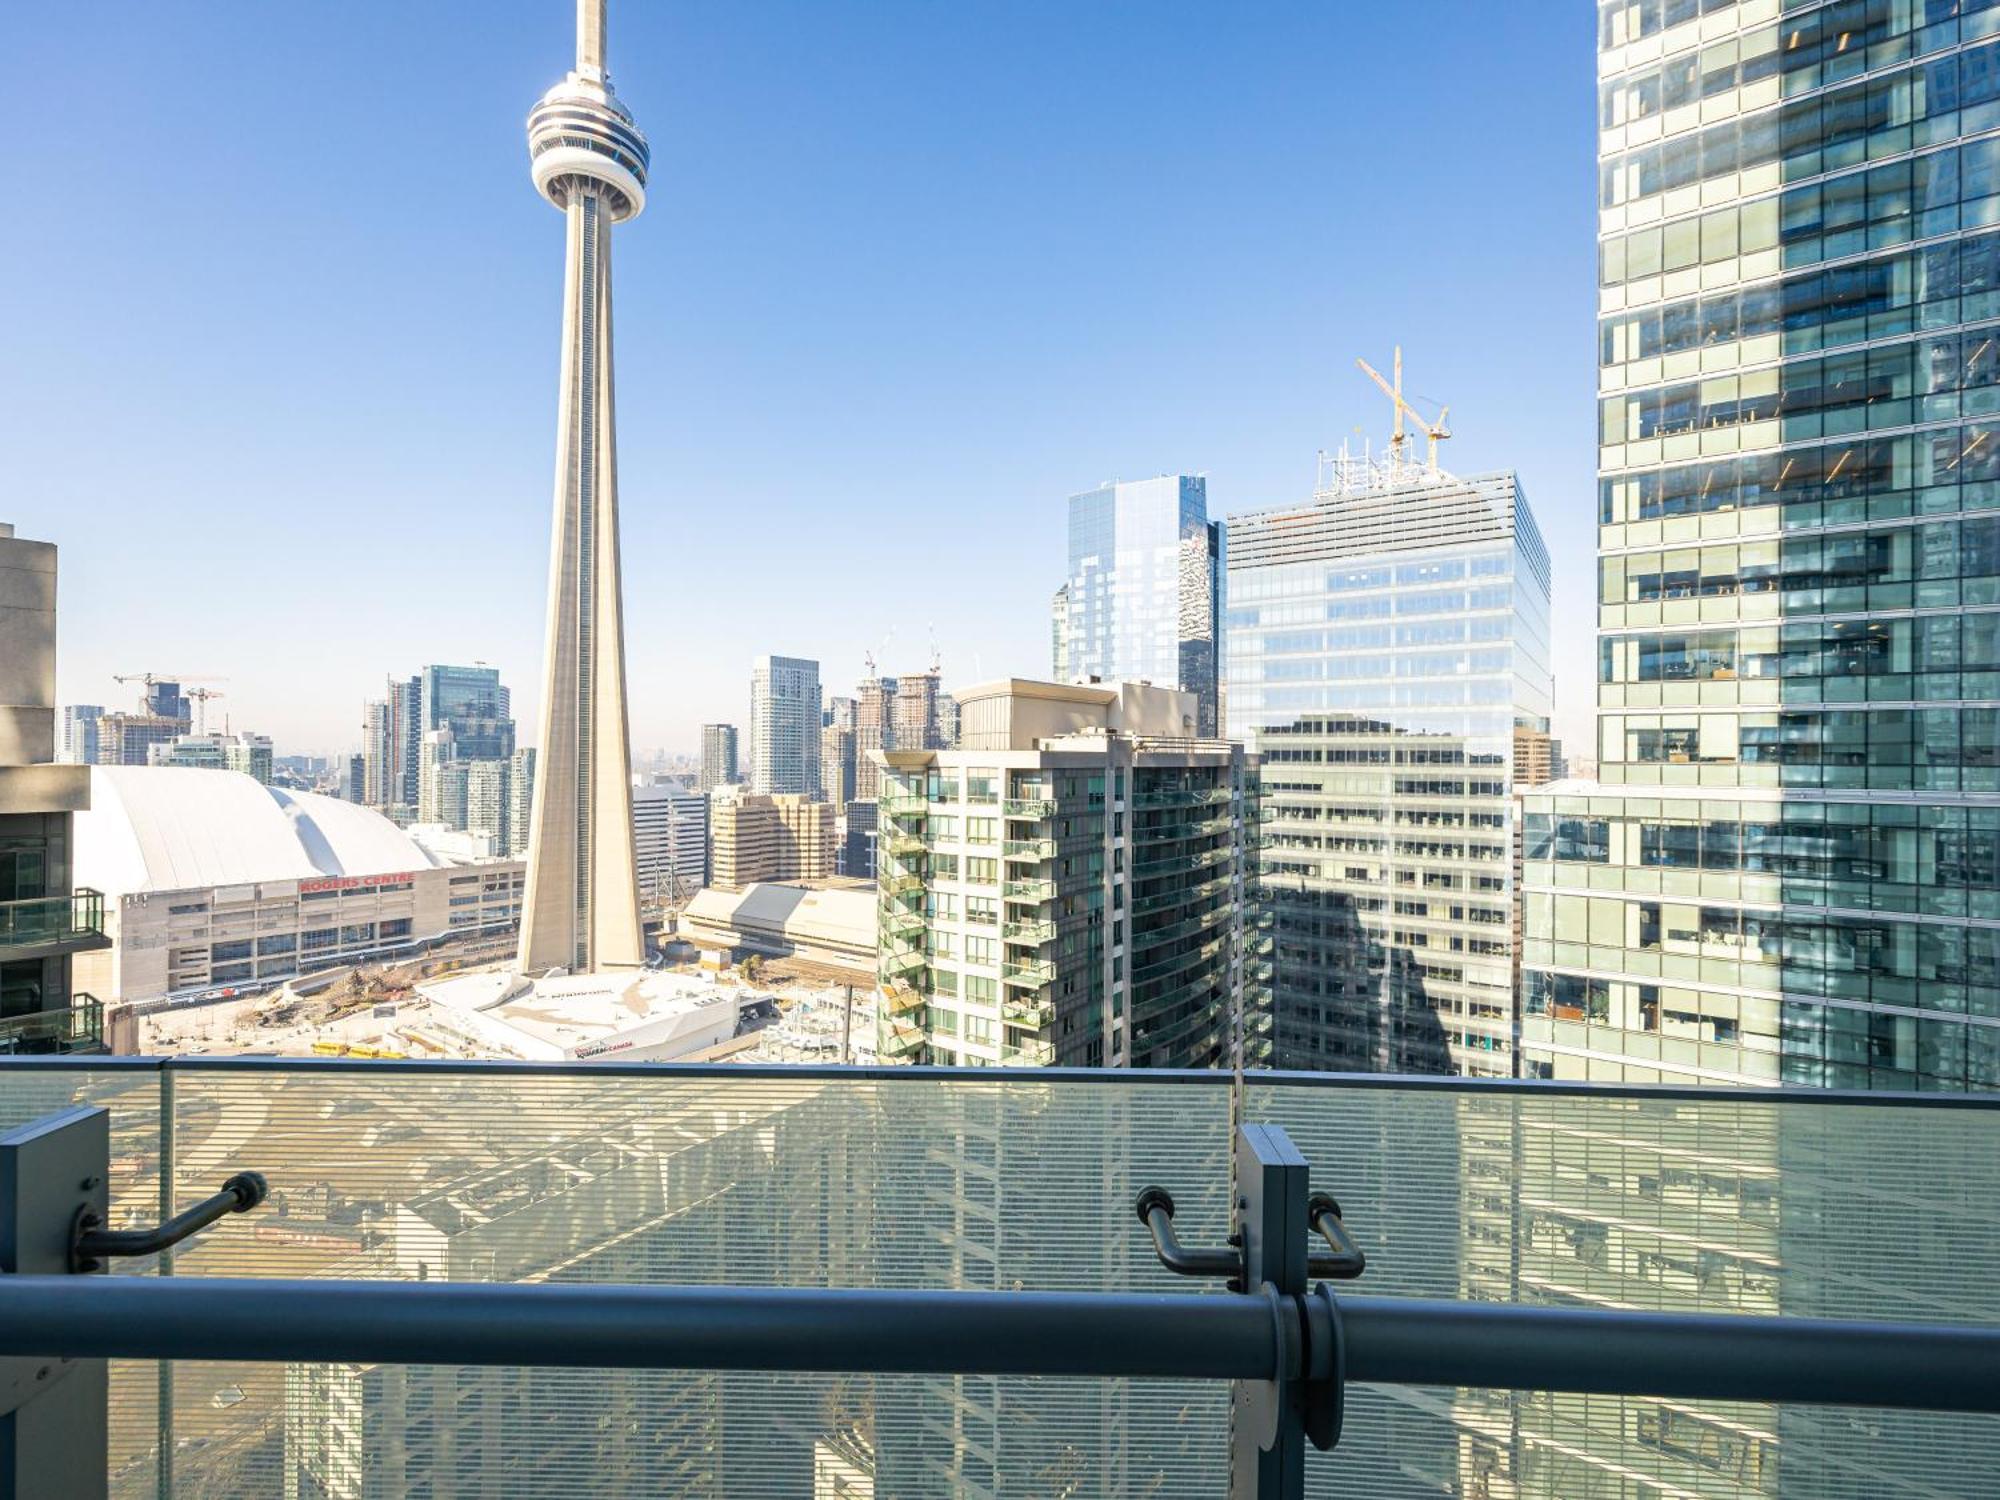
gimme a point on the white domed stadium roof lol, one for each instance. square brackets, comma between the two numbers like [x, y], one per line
[177, 828]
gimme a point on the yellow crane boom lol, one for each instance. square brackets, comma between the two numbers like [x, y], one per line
[1433, 431]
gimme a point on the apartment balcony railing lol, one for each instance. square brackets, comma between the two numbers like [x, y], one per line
[1204, 796]
[1027, 1054]
[77, 1027]
[1038, 931]
[72, 923]
[1029, 891]
[1029, 809]
[510, 1279]
[901, 958]
[902, 845]
[1032, 974]
[1028, 850]
[900, 920]
[897, 804]
[901, 882]
[1032, 1013]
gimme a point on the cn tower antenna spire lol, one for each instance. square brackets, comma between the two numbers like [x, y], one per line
[590, 39]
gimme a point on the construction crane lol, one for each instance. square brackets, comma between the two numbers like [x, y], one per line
[1434, 431]
[201, 695]
[153, 679]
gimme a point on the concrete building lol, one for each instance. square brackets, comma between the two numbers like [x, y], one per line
[213, 882]
[46, 921]
[753, 838]
[520, 799]
[440, 780]
[1538, 758]
[837, 761]
[669, 840]
[784, 726]
[874, 730]
[127, 739]
[1386, 639]
[718, 757]
[241, 751]
[1143, 598]
[589, 160]
[831, 928]
[859, 822]
[77, 743]
[1068, 885]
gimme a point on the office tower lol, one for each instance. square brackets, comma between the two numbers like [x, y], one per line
[354, 779]
[520, 799]
[1386, 639]
[1142, 602]
[77, 745]
[44, 922]
[1787, 874]
[582, 907]
[377, 764]
[784, 837]
[784, 726]
[471, 703]
[1064, 887]
[670, 841]
[718, 757]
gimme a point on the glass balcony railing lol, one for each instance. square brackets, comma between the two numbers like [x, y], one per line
[900, 920]
[75, 921]
[902, 845]
[1823, 1209]
[901, 882]
[1030, 809]
[897, 804]
[1031, 1013]
[1032, 974]
[77, 1027]
[1038, 931]
[1028, 850]
[1029, 891]
[1027, 1054]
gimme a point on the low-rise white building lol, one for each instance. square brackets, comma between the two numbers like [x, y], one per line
[628, 1015]
[214, 883]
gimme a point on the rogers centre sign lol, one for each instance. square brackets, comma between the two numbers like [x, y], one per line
[354, 882]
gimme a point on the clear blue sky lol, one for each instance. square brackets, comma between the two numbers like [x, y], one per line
[282, 307]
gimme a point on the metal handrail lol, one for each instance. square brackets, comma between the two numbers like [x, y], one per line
[1386, 1340]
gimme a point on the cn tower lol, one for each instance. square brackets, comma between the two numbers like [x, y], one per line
[581, 908]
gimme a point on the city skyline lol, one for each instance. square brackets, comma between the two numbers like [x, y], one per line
[406, 519]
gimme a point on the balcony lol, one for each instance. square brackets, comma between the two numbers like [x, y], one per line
[1027, 1054]
[900, 920]
[897, 882]
[1031, 851]
[1039, 931]
[902, 845]
[46, 925]
[505, 1276]
[897, 804]
[898, 960]
[79, 1027]
[1029, 809]
[1204, 796]
[1037, 973]
[1029, 891]
[1035, 1014]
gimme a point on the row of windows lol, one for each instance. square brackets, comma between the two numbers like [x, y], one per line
[1933, 288]
[1906, 659]
[1835, 484]
[1888, 749]
[1848, 36]
[1829, 572]
[1252, 667]
[1919, 106]
[1622, 21]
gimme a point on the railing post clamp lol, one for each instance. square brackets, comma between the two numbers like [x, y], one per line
[1270, 1256]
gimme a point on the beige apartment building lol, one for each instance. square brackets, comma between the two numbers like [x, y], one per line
[754, 838]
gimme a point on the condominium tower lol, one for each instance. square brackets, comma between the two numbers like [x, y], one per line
[1068, 885]
[784, 726]
[718, 756]
[1386, 640]
[582, 906]
[1788, 874]
[1143, 602]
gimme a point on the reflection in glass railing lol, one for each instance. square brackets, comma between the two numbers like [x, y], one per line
[1723, 1202]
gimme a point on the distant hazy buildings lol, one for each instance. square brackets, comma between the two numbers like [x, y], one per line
[754, 838]
[784, 726]
[718, 757]
[1143, 599]
[1386, 639]
[1538, 758]
[1066, 887]
[898, 713]
[240, 751]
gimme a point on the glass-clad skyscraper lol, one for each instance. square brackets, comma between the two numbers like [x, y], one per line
[1385, 640]
[1792, 871]
[1142, 602]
